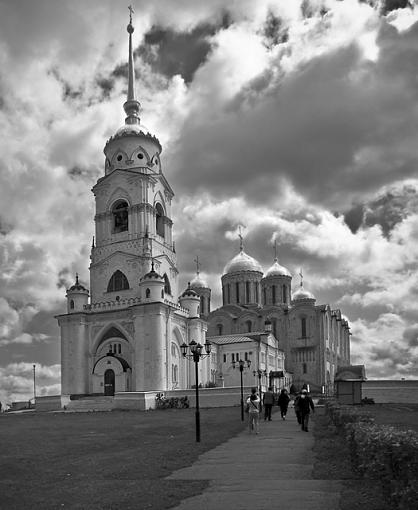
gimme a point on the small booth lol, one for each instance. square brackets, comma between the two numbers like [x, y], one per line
[348, 381]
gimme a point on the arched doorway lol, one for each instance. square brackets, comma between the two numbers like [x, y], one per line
[109, 382]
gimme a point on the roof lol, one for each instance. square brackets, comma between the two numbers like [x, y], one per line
[242, 262]
[229, 339]
[235, 339]
[277, 270]
[351, 373]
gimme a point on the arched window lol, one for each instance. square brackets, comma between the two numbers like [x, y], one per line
[303, 326]
[284, 294]
[228, 288]
[147, 293]
[167, 286]
[219, 327]
[72, 304]
[159, 220]
[304, 368]
[162, 293]
[257, 292]
[237, 291]
[273, 290]
[202, 303]
[247, 292]
[249, 326]
[120, 216]
[117, 282]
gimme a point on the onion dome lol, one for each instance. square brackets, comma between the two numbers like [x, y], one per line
[198, 282]
[77, 286]
[277, 270]
[242, 262]
[152, 275]
[135, 130]
[302, 294]
[189, 292]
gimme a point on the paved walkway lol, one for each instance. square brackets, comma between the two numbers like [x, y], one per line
[268, 471]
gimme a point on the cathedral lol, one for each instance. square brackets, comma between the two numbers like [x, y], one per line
[126, 334]
[314, 339]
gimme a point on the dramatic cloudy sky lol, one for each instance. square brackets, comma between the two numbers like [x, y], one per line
[295, 118]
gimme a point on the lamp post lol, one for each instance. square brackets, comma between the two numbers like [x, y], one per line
[259, 373]
[241, 369]
[34, 386]
[196, 354]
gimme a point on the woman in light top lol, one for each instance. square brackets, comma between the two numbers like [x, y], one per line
[253, 406]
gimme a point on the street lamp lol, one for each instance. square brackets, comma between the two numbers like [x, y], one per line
[34, 386]
[196, 354]
[241, 369]
[259, 373]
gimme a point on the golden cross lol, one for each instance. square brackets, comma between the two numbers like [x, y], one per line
[301, 277]
[131, 11]
[241, 244]
[197, 263]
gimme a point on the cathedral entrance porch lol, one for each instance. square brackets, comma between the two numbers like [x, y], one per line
[111, 374]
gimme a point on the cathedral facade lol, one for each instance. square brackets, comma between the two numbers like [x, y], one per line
[315, 339]
[125, 334]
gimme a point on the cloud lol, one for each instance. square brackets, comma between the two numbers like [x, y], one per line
[24, 338]
[295, 119]
[385, 344]
[17, 381]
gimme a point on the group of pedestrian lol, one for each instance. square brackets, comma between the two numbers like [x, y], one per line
[303, 405]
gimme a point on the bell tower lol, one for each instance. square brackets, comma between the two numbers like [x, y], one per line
[133, 210]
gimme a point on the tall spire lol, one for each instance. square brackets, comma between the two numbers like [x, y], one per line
[131, 106]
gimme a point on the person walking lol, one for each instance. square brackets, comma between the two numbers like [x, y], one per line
[253, 404]
[283, 402]
[268, 401]
[305, 405]
[297, 409]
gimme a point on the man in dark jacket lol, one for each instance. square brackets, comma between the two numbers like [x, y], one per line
[268, 401]
[305, 404]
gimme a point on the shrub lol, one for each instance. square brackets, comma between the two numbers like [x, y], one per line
[381, 453]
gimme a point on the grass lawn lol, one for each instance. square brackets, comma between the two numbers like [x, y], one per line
[108, 460]
[333, 456]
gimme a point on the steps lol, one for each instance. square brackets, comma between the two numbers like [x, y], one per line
[90, 404]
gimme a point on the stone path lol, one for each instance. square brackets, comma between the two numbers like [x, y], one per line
[268, 471]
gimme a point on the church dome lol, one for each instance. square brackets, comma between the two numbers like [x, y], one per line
[132, 129]
[189, 292]
[152, 275]
[137, 130]
[277, 270]
[242, 262]
[198, 283]
[302, 294]
[77, 286]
